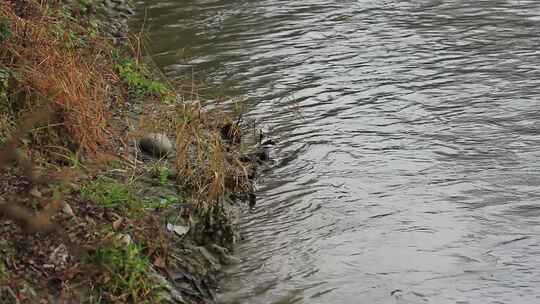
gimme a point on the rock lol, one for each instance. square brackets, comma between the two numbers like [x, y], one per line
[180, 230]
[224, 256]
[209, 257]
[173, 174]
[269, 142]
[228, 259]
[35, 192]
[66, 208]
[261, 154]
[125, 239]
[156, 144]
[168, 293]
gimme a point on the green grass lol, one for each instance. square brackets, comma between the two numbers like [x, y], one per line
[163, 203]
[138, 79]
[6, 121]
[3, 272]
[109, 193]
[126, 273]
[162, 173]
[5, 29]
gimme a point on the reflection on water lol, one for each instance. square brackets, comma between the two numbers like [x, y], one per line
[412, 174]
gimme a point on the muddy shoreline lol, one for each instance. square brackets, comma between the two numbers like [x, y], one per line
[136, 226]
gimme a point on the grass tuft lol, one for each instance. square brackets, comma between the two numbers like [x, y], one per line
[138, 79]
[126, 273]
[109, 193]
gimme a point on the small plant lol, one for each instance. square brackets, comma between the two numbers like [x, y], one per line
[3, 272]
[6, 122]
[138, 80]
[163, 203]
[5, 29]
[126, 274]
[72, 158]
[163, 173]
[83, 6]
[109, 193]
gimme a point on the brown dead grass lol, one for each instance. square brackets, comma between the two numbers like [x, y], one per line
[207, 164]
[53, 71]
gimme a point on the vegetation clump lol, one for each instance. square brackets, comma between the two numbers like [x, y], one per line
[126, 274]
[70, 105]
[108, 193]
[138, 79]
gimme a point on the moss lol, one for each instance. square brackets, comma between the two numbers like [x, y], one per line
[126, 273]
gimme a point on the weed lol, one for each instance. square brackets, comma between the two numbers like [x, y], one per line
[162, 172]
[163, 175]
[5, 29]
[72, 158]
[109, 193]
[6, 121]
[83, 6]
[138, 80]
[3, 272]
[126, 274]
[115, 164]
[163, 203]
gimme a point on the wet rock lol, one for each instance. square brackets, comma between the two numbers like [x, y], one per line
[125, 239]
[179, 230]
[228, 259]
[156, 144]
[224, 256]
[210, 259]
[269, 142]
[35, 192]
[168, 294]
[262, 154]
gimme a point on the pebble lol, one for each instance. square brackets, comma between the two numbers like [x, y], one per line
[179, 230]
[66, 208]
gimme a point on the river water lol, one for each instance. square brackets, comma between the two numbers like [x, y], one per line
[408, 159]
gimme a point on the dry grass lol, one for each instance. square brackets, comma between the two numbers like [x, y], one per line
[206, 163]
[57, 66]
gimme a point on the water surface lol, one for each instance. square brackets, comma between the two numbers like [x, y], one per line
[407, 166]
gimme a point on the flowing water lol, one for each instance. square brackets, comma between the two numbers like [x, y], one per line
[407, 167]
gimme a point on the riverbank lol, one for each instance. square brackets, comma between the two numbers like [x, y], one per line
[91, 213]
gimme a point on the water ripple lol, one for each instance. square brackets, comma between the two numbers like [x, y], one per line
[406, 168]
